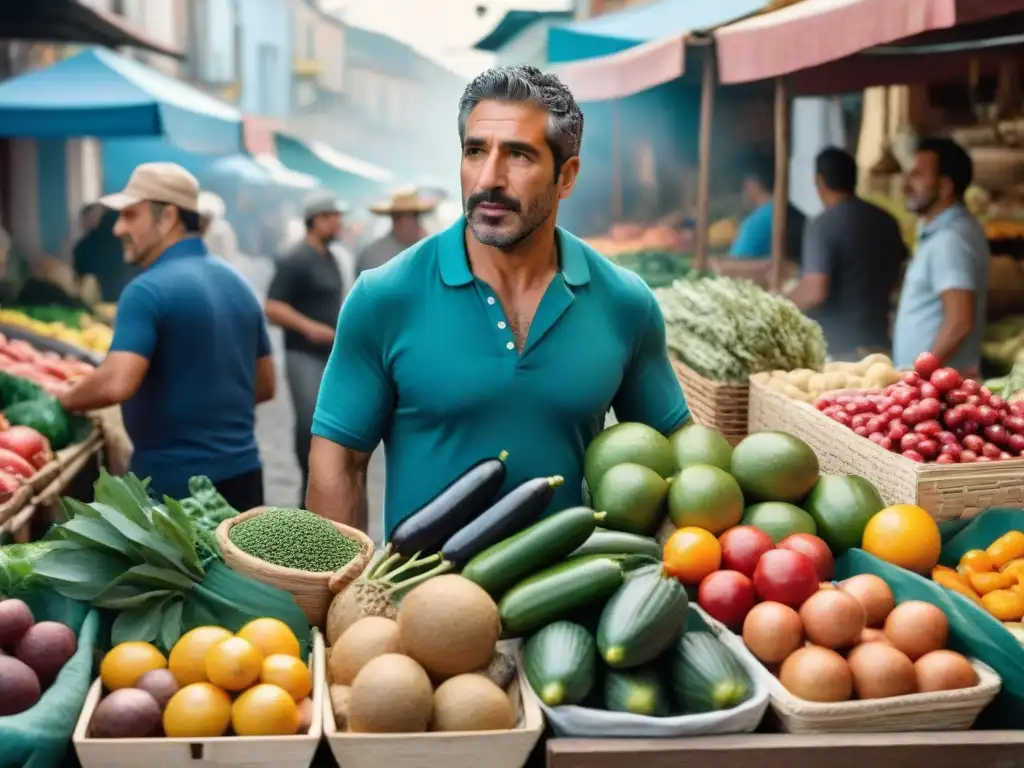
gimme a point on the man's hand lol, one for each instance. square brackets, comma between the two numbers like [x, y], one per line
[320, 333]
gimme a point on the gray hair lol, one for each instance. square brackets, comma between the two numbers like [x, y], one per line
[523, 83]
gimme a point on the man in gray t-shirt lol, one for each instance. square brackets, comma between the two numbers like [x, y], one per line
[852, 255]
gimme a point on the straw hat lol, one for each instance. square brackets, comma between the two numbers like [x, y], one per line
[406, 200]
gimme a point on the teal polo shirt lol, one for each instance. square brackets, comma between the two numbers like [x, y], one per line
[424, 360]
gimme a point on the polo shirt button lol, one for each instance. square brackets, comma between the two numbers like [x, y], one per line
[510, 346]
[501, 324]
[490, 299]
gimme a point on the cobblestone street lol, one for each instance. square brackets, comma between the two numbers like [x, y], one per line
[274, 422]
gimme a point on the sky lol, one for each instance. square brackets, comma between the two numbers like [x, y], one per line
[443, 29]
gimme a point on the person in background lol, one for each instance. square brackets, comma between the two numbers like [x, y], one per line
[101, 254]
[406, 207]
[504, 332]
[191, 357]
[750, 254]
[852, 256]
[305, 299]
[943, 303]
[216, 231]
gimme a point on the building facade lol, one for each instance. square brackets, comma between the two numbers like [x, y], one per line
[319, 45]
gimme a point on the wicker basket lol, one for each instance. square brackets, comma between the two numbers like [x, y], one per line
[947, 491]
[941, 711]
[313, 591]
[714, 403]
[237, 751]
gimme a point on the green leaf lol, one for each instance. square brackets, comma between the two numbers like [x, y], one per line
[75, 508]
[170, 624]
[183, 539]
[84, 572]
[153, 548]
[162, 578]
[141, 624]
[98, 534]
[117, 493]
[116, 592]
[132, 602]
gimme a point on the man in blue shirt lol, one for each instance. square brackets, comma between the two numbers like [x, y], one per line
[191, 357]
[503, 332]
[943, 304]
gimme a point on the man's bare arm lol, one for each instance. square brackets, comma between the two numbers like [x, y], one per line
[337, 483]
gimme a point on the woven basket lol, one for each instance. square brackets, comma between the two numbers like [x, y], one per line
[941, 711]
[714, 403]
[312, 591]
[947, 491]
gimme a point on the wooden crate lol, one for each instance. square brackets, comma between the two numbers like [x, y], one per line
[947, 491]
[220, 752]
[714, 403]
[493, 749]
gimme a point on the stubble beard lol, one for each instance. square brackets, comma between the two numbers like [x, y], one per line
[530, 220]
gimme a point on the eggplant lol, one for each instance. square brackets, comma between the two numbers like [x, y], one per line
[514, 511]
[426, 529]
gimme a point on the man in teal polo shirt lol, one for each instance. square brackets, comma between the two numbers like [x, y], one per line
[502, 333]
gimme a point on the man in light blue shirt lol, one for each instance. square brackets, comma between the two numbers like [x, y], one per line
[943, 303]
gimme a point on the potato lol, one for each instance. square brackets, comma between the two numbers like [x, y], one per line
[800, 378]
[881, 375]
[876, 359]
[818, 383]
[761, 378]
[793, 392]
[834, 381]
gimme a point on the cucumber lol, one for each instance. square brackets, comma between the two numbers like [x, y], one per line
[558, 591]
[604, 542]
[426, 529]
[644, 617]
[640, 691]
[706, 676]
[511, 513]
[560, 661]
[544, 543]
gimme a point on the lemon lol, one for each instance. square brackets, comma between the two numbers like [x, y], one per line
[270, 636]
[265, 710]
[187, 661]
[197, 711]
[124, 664]
[233, 664]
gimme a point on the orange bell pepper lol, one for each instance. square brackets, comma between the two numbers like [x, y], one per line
[984, 583]
[978, 561]
[1004, 604]
[1015, 568]
[954, 582]
[1009, 546]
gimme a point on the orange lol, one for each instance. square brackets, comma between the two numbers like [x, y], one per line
[197, 711]
[904, 535]
[690, 554]
[289, 673]
[271, 636]
[187, 661]
[977, 560]
[125, 663]
[265, 710]
[1004, 604]
[233, 664]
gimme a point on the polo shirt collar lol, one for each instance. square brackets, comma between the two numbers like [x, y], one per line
[190, 246]
[454, 262]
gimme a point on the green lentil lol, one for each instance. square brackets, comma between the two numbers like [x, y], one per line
[295, 538]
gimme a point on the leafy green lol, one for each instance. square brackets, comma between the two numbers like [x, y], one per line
[17, 566]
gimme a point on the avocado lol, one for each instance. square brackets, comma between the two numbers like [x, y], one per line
[779, 519]
[706, 497]
[628, 442]
[841, 507]
[698, 444]
[774, 466]
[632, 497]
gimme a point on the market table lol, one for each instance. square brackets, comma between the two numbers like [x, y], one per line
[978, 749]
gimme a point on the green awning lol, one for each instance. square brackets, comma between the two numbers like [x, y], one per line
[350, 178]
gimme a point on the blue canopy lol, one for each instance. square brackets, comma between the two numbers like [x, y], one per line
[615, 32]
[347, 176]
[103, 94]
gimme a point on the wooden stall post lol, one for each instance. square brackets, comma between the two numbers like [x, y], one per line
[780, 205]
[707, 109]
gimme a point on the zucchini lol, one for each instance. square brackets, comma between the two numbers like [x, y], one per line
[426, 529]
[544, 543]
[706, 676]
[642, 619]
[560, 662]
[604, 542]
[556, 592]
[511, 513]
[640, 691]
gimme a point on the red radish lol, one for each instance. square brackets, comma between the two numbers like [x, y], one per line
[945, 458]
[968, 457]
[929, 449]
[973, 443]
[1004, 456]
[990, 451]
[987, 415]
[29, 444]
[996, 434]
[1014, 423]
[971, 427]
[929, 428]
[1016, 443]
[956, 397]
[904, 396]
[913, 456]
[910, 441]
[929, 391]
[897, 432]
[926, 364]
[912, 415]
[929, 408]
[997, 402]
[970, 386]
[952, 449]
[913, 379]
[945, 379]
[15, 464]
[947, 437]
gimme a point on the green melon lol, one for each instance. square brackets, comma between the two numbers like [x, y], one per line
[698, 444]
[628, 442]
[779, 519]
[706, 497]
[774, 466]
[841, 507]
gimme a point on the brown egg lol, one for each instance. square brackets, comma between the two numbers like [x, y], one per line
[944, 671]
[832, 619]
[873, 593]
[881, 671]
[817, 674]
[917, 628]
[772, 631]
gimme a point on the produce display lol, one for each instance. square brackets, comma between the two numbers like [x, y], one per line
[992, 577]
[432, 667]
[295, 538]
[727, 329]
[933, 415]
[48, 370]
[28, 404]
[23, 452]
[636, 238]
[31, 655]
[1011, 386]
[873, 372]
[657, 268]
[850, 641]
[71, 326]
[213, 683]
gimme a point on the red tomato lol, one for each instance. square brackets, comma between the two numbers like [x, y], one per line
[727, 596]
[742, 548]
[816, 549]
[926, 364]
[945, 379]
[787, 577]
